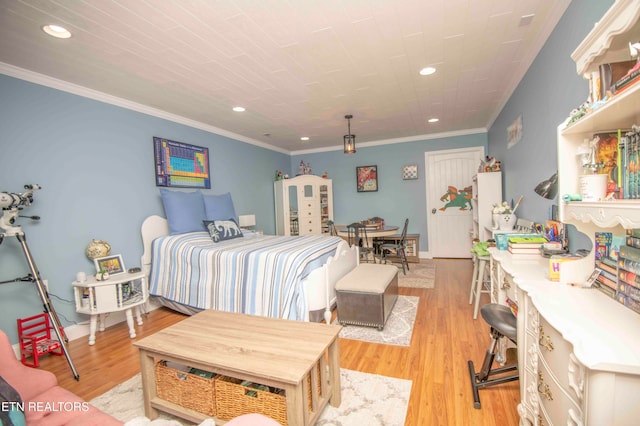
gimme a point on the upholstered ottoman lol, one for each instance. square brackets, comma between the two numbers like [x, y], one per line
[366, 295]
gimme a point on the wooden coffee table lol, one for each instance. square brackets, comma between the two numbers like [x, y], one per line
[269, 351]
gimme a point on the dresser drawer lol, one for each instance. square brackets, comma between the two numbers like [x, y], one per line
[557, 354]
[560, 409]
[309, 224]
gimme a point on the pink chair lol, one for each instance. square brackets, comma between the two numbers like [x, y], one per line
[42, 396]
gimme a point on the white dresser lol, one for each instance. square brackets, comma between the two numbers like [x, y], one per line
[304, 205]
[578, 354]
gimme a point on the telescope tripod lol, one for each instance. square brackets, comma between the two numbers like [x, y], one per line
[44, 296]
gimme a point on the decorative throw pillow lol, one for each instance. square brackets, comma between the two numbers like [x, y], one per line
[221, 230]
[184, 210]
[219, 207]
[11, 413]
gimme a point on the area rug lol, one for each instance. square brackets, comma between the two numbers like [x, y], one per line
[398, 329]
[367, 399]
[420, 275]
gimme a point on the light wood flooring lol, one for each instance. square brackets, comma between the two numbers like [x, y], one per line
[444, 339]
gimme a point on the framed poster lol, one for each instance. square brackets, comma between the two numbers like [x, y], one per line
[367, 178]
[180, 164]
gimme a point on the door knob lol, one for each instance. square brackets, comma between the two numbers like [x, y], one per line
[433, 211]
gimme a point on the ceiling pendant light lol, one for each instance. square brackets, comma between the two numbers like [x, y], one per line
[349, 139]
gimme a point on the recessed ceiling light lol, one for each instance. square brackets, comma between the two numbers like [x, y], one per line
[238, 109]
[433, 120]
[427, 71]
[304, 138]
[56, 31]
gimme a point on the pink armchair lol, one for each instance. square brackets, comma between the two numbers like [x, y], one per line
[46, 403]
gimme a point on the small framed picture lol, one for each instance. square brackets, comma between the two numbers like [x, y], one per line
[367, 178]
[111, 264]
[410, 172]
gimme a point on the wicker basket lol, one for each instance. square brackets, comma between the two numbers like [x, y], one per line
[234, 399]
[186, 389]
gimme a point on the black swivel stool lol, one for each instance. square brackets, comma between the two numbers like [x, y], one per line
[503, 324]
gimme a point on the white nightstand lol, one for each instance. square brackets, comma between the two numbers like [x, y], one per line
[121, 292]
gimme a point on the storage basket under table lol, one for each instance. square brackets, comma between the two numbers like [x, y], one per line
[186, 389]
[233, 398]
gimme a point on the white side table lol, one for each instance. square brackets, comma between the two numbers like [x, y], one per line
[121, 292]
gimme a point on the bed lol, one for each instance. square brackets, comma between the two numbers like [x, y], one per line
[276, 276]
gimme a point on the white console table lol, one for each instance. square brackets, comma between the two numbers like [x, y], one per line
[121, 292]
[578, 357]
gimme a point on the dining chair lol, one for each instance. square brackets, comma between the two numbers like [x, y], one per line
[332, 228]
[357, 235]
[398, 247]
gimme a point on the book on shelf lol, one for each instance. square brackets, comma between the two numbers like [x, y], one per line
[629, 253]
[522, 242]
[607, 157]
[602, 244]
[628, 175]
[632, 241]
[626, 81]
[607, 266]
[629, 290]
[605, 289]
[629, 277]
[613, 276]
[629, 265]
[524, 250]
[607, 282]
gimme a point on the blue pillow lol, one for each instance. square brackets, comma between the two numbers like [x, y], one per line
[222, 230]
[184, 210]
[219, 207]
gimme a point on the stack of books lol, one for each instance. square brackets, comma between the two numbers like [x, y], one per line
[526, 245]
[628, 290]
[607, 264]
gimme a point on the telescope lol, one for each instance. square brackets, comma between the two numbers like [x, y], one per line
[11, 204]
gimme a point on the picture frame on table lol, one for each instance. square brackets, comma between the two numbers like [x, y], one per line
[367, 178]
[113, 264]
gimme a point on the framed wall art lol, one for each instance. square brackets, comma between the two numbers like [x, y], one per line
[367, 178]
[181, 164]
[410, 172]
[112, 264]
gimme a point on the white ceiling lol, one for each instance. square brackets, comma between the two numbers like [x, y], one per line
[297, 66]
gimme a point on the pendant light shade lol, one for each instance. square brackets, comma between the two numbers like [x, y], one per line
[349, 139]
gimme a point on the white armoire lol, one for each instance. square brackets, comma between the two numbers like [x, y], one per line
[304, 205]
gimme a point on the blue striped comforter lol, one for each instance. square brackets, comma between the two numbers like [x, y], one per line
[259, 275]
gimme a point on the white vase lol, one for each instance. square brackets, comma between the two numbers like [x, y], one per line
[496, 220]
[507, 222]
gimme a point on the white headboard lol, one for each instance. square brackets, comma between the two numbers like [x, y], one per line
[153, 227]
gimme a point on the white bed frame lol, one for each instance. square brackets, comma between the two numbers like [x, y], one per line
[319, 285]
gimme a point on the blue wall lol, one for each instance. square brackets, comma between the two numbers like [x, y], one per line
[396, 199]
[546, 95]
[95, 164]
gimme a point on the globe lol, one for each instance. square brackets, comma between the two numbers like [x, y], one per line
[98, 248]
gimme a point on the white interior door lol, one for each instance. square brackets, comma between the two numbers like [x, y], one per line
[448, 186]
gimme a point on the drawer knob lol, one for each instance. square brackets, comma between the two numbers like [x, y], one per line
[545, 341]
[543, 388]
[506, 284]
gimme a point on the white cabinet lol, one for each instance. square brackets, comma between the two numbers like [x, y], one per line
[304, 205]
[121, 292]
[487, 191]
[605, 43]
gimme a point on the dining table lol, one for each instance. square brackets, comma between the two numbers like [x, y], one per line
[372, 233]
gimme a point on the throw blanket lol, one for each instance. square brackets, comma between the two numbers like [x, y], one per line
[258, 275]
